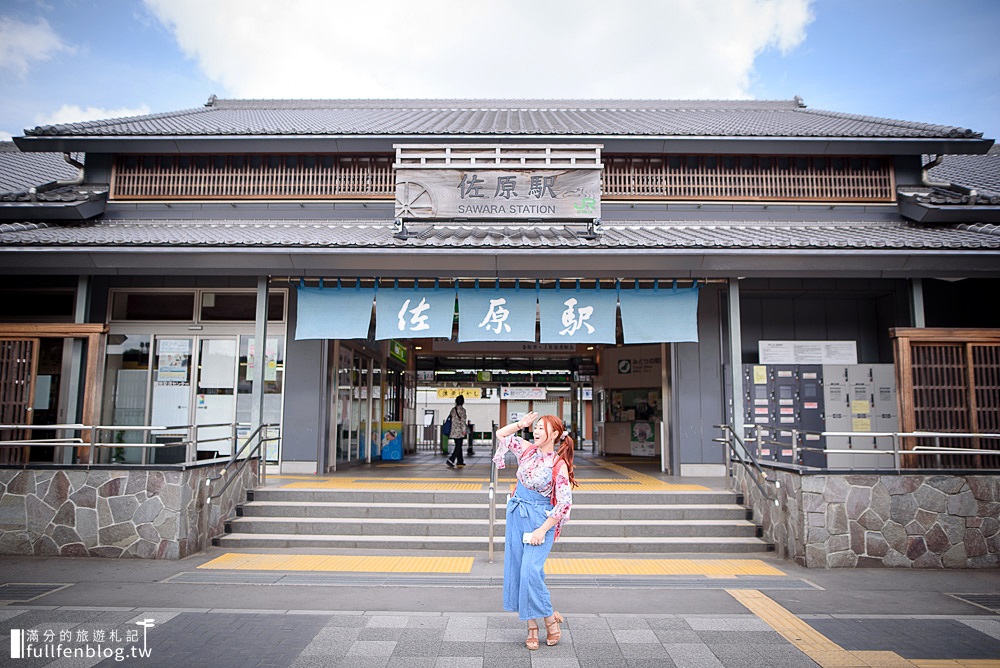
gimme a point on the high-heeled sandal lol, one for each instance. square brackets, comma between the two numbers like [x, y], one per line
[552, 637]
[532, 640]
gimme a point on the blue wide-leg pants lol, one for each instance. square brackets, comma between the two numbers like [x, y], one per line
[524, 590]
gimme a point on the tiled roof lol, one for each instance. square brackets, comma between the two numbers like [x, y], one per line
[845, 236]
[981, 172]
[83, 193]
[697, 118]
[20, 171]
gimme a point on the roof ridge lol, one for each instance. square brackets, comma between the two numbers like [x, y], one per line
[509, 104]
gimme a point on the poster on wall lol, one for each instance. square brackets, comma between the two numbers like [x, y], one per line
[643, 439]
[270, 360]
[173, 357]
[391, 445]
[807, 352]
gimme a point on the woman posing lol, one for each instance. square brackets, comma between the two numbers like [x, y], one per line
[535, 513]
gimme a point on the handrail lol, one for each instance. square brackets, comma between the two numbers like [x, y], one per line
[896, 436]
[753, 460]
[494, 475]
[256, 451]
[94, 443]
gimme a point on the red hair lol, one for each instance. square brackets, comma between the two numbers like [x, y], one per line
[563, 444]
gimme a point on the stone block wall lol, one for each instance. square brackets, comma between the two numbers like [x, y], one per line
[146, 513]
[902, 521]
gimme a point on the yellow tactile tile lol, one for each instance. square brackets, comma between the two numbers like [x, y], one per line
[340, 563]
[727, 568]
[648, 482]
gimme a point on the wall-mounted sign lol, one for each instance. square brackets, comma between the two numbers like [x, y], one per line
[397, 350]
[503, 181]
[523, 393]
[452, 392]
[808, 352]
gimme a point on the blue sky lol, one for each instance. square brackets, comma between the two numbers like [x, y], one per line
[917, 60]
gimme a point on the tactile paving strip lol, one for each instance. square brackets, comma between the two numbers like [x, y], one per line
[343, 563]
[474, 582]
[708, 567]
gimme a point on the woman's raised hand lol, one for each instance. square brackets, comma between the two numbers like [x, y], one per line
[529, 418]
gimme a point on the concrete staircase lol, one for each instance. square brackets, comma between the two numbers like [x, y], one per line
[602, 522]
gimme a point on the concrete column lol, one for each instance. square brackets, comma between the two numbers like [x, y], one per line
[917, 302]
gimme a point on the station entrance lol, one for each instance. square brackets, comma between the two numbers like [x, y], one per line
[388, 400]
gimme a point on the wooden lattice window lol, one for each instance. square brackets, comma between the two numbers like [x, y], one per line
[749, 178]
[253, 176]
[18, 369]
[949, 381]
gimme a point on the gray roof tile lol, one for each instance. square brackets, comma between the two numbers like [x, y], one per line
[699, 118]
[20, 171]
[981, 172]
[847, 236]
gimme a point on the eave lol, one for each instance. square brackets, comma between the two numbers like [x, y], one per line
[77, 210]
[738, 145]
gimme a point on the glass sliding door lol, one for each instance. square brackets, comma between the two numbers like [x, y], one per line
[274, 381]
[215, 396]
[126, 392]
[171, 396]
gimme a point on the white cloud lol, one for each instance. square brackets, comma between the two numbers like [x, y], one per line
[5, 136]
[23, 44]
[517, 48]
[71, 113]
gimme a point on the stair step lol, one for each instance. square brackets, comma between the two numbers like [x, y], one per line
[479, 527]
[673, 545]
[609, 522]
[581, 510]
[481, 496]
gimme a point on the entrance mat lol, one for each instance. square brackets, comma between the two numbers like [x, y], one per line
[719, 568]
[340, 563]
[23, 592]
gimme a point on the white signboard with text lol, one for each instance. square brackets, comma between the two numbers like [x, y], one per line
[504, 181]
[808, 352]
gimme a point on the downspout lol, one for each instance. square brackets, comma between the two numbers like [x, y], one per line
[925, 179]
[33, 191]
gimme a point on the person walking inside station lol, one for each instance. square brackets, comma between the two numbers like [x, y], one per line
[536, 511]
[459, 427]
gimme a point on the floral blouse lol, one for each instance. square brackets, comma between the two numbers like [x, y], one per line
[534, 471]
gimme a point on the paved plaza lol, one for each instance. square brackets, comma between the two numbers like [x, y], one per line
[316, 607]
[182, 614]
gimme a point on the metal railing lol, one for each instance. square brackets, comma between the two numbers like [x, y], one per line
[254, 447]
[744, 457]
[95, 438]
[494, 478]
[798, 445]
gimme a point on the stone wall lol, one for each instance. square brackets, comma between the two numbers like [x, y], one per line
[147, 513]
[904, 521]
